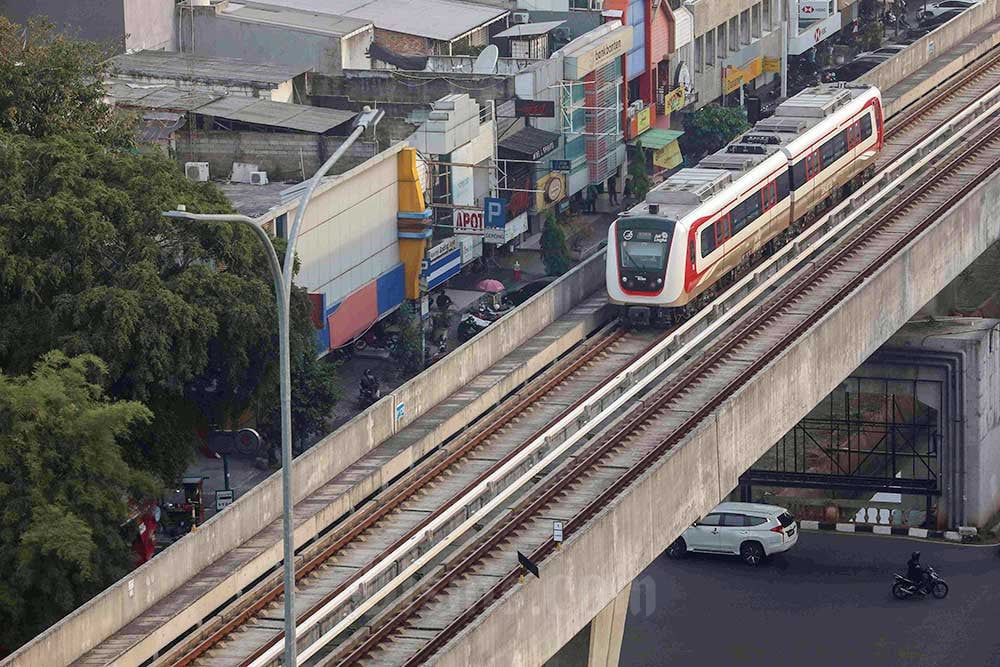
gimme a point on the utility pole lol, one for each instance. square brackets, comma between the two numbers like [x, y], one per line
[783, 6]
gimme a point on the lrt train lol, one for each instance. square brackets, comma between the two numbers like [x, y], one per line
[667, 255]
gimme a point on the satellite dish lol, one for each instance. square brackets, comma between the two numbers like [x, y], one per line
[486, 61]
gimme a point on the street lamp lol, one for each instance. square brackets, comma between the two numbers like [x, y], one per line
[283, 293]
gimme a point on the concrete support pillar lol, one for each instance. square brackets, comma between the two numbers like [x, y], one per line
[606, 631]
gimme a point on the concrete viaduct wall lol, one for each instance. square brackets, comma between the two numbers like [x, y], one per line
[594, 565]
[930, 47]
[107, 613]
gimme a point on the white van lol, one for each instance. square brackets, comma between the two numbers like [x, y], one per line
[750, 530]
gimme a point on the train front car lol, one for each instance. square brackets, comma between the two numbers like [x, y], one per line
[640, 251]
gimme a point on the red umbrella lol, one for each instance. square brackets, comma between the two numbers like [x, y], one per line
[490, 285]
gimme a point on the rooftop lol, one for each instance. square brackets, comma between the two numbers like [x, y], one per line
[254, 110]
[529, 29]
[310, 21]
[188, 67]
[442, 20]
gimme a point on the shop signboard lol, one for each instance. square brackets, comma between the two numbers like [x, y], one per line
[811, 10]
[443, 261]
[674, 100]
[509, 231]
[534, 108]
[585, 58]
[467, 222]
[552, 189]
[772, 65]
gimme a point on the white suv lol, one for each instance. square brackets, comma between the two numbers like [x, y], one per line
[751, 530]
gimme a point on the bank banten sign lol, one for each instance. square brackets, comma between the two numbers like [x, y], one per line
[586, 58]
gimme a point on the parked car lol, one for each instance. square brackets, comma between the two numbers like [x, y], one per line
[884, 53]
[939, 19]
[850, 71]
[525, 292]
[750, 530]
[944, 6]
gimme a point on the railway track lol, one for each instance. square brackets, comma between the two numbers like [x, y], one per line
[350, 564]
[378, 543]
[412, 633]
[920, 119]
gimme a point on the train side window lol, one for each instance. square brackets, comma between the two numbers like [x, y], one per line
[750, 211]
[782, 185]
[707, 240]
[866, 126]
[798, 172]
[813, 165]
[722, 230]
[833, 148]
[769, 195]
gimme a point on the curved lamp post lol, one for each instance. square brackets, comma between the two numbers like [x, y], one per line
[283, 294]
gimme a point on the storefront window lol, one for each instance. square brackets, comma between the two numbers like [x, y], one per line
[699, 54]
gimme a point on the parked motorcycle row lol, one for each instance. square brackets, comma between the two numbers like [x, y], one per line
[485, 314]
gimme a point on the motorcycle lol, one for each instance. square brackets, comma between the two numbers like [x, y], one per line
[368, 395]
[470, 326]
[903, 588]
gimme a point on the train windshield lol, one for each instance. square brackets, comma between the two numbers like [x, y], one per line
[644, 250]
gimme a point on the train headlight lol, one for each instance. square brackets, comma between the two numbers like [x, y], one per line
[659, 281]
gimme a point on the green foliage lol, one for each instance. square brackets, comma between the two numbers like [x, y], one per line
[50, 84]
[639, 170]
[555, 252]
[411, 351]
[710, 128]
[871, 34]
[64, 486]
[182, 313]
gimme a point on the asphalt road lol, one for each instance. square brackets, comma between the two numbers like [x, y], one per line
[825, 603]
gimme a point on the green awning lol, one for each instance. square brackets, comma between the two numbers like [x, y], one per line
[656, 138]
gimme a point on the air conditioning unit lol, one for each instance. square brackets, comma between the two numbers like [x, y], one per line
[521, 17]
[196, 171]
[258, 178]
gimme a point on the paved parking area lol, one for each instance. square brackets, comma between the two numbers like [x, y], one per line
[825, 603]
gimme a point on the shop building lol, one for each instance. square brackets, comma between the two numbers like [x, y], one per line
[582, 83]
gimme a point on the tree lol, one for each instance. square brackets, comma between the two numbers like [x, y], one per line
[182, 313]
[641, 183]
[64, 488]
[555, 253]
[710, 128]
[51, 84]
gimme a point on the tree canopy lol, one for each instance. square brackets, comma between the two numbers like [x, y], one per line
[710, 128]
[555, 253]
[64, 487]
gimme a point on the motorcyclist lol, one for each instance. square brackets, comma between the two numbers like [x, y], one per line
[369, 383]
[916, 572]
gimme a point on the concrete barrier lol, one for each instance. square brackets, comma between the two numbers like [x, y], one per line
[930, 47]
[582, 578]
[124, 601]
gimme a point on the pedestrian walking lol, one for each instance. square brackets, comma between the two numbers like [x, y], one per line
[613, 191]
[443, 301]
[591, 198]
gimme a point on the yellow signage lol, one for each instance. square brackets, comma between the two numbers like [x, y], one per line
[552, 189]
[732, 79]
[669, 156]
[642, 121]
[772, 64]
[674, 99]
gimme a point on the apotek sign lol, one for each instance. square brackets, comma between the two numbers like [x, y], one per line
[467, 222]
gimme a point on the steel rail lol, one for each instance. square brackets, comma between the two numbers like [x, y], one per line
[449, 458]
[941, 94]
[358, 524]
[651, 407]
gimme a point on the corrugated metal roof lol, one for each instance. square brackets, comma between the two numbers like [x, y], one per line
[529, 29]
[327, 24]
[230, 107]
[442, 20]
[188, 67]
[528, 141]
[276, 114]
